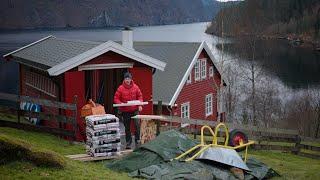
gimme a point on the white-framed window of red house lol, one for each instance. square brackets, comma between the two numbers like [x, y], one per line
[41, 83]
[211, 71]
[185, 110]
[208, 104]
[197, 71]
[203, 68]
[189, 79]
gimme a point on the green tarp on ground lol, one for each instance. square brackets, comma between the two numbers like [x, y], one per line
[201, 170]
[152, 161]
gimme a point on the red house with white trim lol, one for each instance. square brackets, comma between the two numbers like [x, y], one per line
[59, 69]
[189, 86]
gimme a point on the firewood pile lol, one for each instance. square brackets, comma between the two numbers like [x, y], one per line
[103, 135]
[148, 130]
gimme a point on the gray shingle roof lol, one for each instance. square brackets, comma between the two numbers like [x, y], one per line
[52, 51]
[177, 55]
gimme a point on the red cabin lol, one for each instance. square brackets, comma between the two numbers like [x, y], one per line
[58, 69]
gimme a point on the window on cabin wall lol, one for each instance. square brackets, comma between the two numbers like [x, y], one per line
[41, 83]
[185, 110]
[203, 68]
[208, 103]
[189, 79]
[197, 71]
[211, 71]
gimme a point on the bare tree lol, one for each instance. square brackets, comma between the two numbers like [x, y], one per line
[316, 107]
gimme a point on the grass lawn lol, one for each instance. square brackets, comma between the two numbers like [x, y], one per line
[73, 169]
[288, 165]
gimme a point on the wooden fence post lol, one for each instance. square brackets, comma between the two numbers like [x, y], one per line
[18, 108]
[75, 114]
[195, 130]
[297, 146]
[159, 112]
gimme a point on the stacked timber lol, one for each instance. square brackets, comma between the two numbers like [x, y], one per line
[103, 135]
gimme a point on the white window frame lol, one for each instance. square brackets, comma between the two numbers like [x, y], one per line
[197, 71]
[189, 79]
[208, 105]
[185, 110]
[211, 71]
[203, 69]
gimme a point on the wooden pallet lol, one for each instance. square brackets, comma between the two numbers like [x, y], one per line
[86, 157]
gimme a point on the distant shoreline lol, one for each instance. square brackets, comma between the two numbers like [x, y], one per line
[87, 28]
[58, 29]
[293, 39]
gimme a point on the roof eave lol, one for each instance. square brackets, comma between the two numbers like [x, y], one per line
[202, 46]
[210, 54]
[185, 76]
[24, 47]
[101, 49]
[28, 63]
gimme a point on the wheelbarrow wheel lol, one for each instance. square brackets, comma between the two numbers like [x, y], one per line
[235, 136]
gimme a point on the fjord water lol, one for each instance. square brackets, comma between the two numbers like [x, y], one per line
[296, 67]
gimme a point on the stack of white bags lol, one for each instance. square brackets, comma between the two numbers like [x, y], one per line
[103, 135]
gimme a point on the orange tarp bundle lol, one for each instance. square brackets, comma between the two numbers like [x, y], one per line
[92, 108]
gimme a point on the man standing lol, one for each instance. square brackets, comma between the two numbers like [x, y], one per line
[129, 91]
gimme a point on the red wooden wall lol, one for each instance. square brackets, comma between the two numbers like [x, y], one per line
[27, 90]
[142, 76]
[74, 85]
[196, 92]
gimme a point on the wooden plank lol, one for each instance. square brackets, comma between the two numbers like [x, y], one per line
[272, 147]
[47, 116]
[270, 137]
[9, 97]
[41, 115]
[148, 117]
[231, 126]
[309, 147]
[89, 158]
[44, 102]
[8, 111]
[313, 156]
[303, 138]
[29, 127]
[274, 138]
[130, 104]
[257, 133]
[266, 130]
[86, 157]
[76, 156]
[49, 103]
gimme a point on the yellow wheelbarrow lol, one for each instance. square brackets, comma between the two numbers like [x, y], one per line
[225, 153]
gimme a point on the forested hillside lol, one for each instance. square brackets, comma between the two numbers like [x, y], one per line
[300, 18]
[30, 14]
